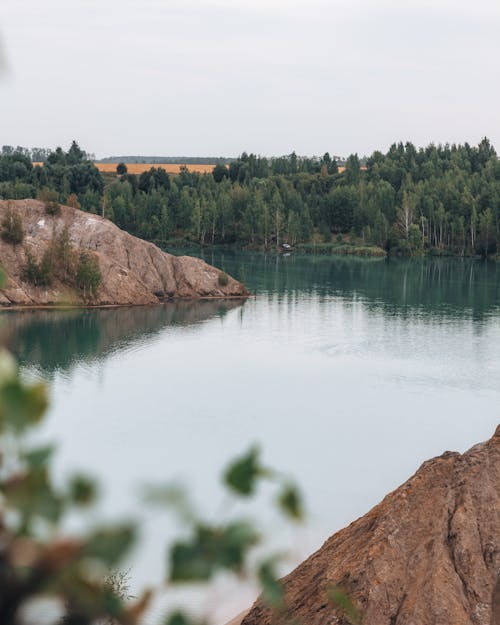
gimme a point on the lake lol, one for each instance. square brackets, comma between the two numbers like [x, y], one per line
[348, 373]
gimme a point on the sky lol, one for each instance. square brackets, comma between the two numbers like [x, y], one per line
[218, 77]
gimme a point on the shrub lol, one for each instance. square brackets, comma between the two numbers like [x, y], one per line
[38, 273]
[52, 208]
[121, 169]
[88, 275]
[223, 279]
[60, 261]
[72, 201]
[12, 226]
[63, 256]
[51, 200]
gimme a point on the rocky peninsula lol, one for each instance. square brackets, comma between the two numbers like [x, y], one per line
[131, 271]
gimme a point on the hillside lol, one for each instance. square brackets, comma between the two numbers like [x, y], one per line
[428, 554]
[133, 271]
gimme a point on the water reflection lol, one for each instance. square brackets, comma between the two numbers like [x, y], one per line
[439, 290]
[436, 287]
[54, 340]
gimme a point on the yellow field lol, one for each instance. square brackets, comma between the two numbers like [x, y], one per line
[171, 168]
[138, 168]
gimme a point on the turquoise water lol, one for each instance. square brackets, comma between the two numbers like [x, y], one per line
[349, 373]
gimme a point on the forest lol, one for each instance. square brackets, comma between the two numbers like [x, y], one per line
[441, 199]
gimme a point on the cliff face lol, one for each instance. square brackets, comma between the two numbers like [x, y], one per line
[428, 554]
[133, 271]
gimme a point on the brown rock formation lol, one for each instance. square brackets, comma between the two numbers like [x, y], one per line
[428, 554]
[133, 271]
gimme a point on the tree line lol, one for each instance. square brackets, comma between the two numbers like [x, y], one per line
[442, 199]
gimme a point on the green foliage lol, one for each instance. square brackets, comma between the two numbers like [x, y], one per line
[20, 406]
[36, 561]
[242, 475]
[38, 273]
[154, 179]
[50, 198]
[415, 238]
[341, 249]
[290, 502]
[325, 232]
[38, 458]
[220, 172]
[212, 549]
[88, 275]
[58, 262]
[223, 279]
[75, 154]
[486, 243]
[34, 499]
[12, 226]
[110, 544]
[451, 193]
[272, 590]
[121, 169]
[63, 256]
[52, 208]
[179, 618]
[82, 490]
[171, 496]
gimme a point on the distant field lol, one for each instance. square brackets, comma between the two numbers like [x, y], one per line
[171, 168]
[138, 168]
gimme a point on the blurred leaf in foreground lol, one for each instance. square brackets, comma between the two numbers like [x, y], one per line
[242, 474]
[272, 589]
[179, 618]
[171, 496]
[21, 406]
[38, 458]
[290, 502]
[210, 550]
[82, 490]
[110, 544]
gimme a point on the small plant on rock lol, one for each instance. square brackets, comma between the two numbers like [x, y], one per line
[88, 275]
[223, 279]
[50, 199]
[12, 226]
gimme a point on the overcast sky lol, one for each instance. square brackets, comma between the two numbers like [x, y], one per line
[216, 77]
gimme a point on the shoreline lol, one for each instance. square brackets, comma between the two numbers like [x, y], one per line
[19, 307]
[320, 249]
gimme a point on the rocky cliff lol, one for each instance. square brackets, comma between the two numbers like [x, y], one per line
[428, 554]
[132, 271]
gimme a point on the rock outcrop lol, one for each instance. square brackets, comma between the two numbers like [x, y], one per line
[428, 554]
[133, 271]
